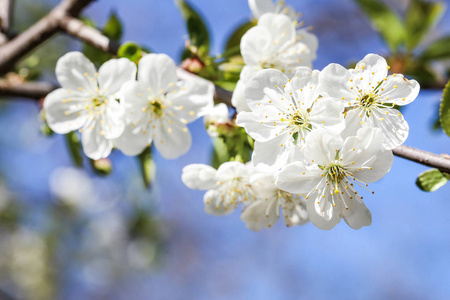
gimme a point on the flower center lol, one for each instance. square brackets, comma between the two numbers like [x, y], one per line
[156, 106]
[368, 100]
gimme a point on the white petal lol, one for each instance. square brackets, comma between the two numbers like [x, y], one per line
[261, 214]
[321, 146]
[371, 69]
[334, 80]
[275, 152]
[265, 85]
[292, 179]
[353, 122]
[280, 27]
[255, 45]
[196, 90]
[260, 7]
[357, 215]
[171, 140]
[399, 90]
[157, 71]
[132, 141]
[191, 100]
[114, 73]
[75, 71]
[199, 176]
[394, 128]
[380, 167]
[95, 145]
[112, 121]
[258, 126]
[214, 204]
[238, 98]
[327, 114]
[64, 111]
[308, 39]
[361, 148]
[218, 114]
[324, 216]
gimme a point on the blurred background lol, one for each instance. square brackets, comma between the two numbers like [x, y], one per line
[67, 233]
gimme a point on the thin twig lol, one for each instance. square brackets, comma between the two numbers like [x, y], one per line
[423, 157]
[90, 35]
[6, 11]
[94, 37]
[21, 45]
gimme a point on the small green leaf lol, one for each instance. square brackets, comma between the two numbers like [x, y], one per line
[385, 21]
[444, 111]
[234, 41]
[431, 180]
[131, 51]
[74, 147]
[196, 27]
[421, 18]
[439, 49]
[147, 166]
[113, 28]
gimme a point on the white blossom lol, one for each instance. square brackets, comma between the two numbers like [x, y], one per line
[331, 170]
[284, 112]
[273, 43]
[369, 95]
[264, 212]
[87, 101]
[158, 107]
[226, 187]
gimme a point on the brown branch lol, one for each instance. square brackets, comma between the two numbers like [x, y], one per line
[94, 37]
[18, 47]
[6, 10]
[30, 90]
[426, 158]
[90, 35]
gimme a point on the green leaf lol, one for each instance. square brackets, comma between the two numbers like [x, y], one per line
[196, 27]
[113, 28]
[421, 18]
[131, 51]
[147, 166]
[234, 41]
[431, 180]
[74, 147]
[220, 153]
[444, 111]
[385, 21]
[439, 49]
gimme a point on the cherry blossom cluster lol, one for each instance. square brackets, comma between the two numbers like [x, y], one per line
[322, 134]
[110, 108]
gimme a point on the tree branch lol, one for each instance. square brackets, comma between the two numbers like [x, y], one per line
[426, 158]
[18, 47]
[90, 35]
[32, 90]
[61, 18]
[6, 11]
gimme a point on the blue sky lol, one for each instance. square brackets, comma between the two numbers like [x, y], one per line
[403, 255]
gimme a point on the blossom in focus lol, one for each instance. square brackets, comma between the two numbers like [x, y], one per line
[264, 212]
[330, 172]
[284, 112]
[158, 107]
[370, 95]
[273, 43]
[226, 187]
[87, 101]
